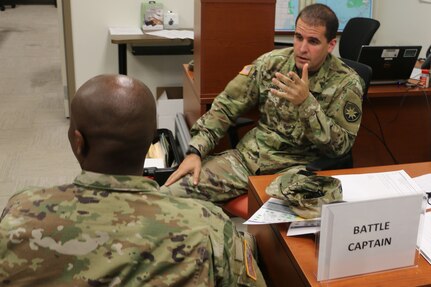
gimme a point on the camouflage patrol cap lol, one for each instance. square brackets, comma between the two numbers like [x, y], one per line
[305, 191]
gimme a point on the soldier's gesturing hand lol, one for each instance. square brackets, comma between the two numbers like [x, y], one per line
[191, 164]
[291, 87]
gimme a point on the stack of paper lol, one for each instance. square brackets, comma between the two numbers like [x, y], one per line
[356, 187]
[158, 153]
[173, 34]
[425, 246]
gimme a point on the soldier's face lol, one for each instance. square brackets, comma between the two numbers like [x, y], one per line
[310, 45]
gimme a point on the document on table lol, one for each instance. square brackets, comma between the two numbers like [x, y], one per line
[173, 34]
[356, 187]
[424, 182]
[119, 31]
[425, 248]
[416, 73]
[303, 227]
[273, 211]
[367, 186]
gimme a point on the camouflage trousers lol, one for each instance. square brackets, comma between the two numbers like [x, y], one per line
[223, 176]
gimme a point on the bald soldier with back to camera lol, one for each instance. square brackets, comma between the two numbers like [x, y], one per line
[111, 226]
[309, 102]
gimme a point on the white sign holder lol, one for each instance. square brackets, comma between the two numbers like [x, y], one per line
[369, 236]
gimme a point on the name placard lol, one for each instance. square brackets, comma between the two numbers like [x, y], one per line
[368, 236]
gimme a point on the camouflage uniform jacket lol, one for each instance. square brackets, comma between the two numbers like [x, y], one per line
[326, 123]
[106, 230]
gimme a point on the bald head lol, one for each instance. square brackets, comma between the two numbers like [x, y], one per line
[113, 121]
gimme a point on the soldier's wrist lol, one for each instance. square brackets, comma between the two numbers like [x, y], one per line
[193, 150]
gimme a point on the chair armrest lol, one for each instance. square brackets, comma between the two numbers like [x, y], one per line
[233, 130]
[326, 163]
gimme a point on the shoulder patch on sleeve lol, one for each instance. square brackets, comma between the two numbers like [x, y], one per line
[249, 267]
[246, 70]
[351, 112]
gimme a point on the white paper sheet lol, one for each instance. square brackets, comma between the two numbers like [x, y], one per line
[154, 162]
[173, 34]
[416, 73]
[303, 227]
[357, 187]
[273, 211]
[118, 31]
[425, 247]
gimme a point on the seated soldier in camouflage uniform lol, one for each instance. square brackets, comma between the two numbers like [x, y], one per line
[309, 102]
[111, 226]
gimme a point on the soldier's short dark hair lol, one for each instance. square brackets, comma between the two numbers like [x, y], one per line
[320, 15]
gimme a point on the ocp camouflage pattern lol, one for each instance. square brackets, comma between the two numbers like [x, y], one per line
[106, 230]
[305, 193]
[286, 136]
[326, 123]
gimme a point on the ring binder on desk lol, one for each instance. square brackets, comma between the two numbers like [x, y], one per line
[160, 175]
[182, 133]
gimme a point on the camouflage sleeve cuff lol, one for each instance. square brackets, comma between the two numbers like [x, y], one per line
[201, 145]
[308, 107]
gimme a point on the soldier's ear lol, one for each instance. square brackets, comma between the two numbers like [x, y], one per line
[79, 143]
[331, 45]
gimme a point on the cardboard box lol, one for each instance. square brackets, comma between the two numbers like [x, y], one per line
[169, 103]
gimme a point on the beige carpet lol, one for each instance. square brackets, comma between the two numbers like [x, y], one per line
[34, 150]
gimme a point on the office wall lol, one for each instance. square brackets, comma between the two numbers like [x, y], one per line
[402, 22]
[94, 54]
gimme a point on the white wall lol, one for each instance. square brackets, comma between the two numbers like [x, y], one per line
[402, 22]
[94, 54]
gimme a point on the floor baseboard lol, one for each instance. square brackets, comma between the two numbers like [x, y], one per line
[32, 2]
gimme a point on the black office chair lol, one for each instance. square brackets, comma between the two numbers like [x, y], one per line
[358, 32]
[364, 71]
[345, 161]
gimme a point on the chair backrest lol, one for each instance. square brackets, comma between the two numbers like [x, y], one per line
[358, 32]
[364, 71]
[346, 160]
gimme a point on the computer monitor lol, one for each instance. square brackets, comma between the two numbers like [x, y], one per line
[390, 64]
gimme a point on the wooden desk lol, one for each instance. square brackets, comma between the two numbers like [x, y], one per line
[291, 261]
[381, 91]
[404, 115]
[219, 55]
[148, 45]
